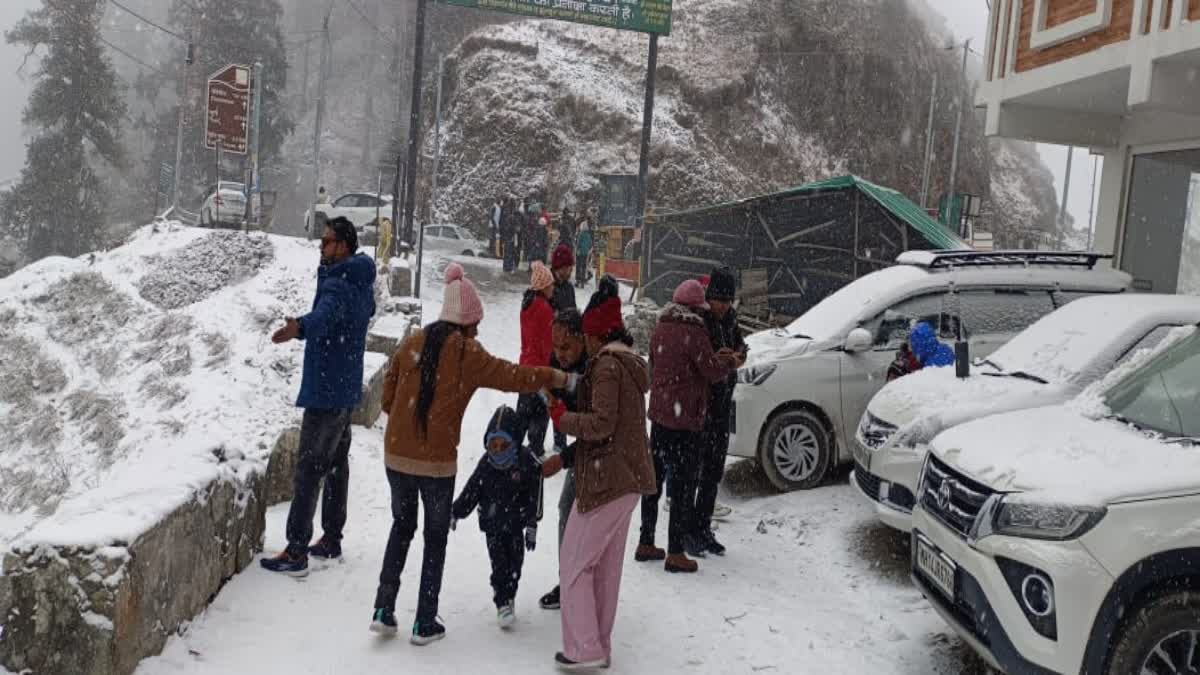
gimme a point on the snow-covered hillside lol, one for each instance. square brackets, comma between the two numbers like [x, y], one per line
[128, 379]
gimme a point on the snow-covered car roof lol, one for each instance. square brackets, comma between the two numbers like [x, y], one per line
[865, 297]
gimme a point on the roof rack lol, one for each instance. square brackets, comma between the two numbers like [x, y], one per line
[948, 259]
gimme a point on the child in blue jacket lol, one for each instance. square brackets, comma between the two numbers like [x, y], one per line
[505, 490]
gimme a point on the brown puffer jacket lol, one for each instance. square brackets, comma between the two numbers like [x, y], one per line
[612, 458]
[684, 367]
[463, 366]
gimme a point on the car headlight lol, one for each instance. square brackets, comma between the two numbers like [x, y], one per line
[874, 432]
[755, 375]
[1017, 517]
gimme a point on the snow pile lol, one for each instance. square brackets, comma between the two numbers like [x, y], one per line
[131, 378]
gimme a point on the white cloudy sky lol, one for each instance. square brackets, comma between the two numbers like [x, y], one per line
[968, 19]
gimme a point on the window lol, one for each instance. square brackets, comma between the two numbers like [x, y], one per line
[1161, 243]
[1001, 311]
[346, 202]
[1148, 342]
[451, 233]
[369, 201]
[892, 327]
[1164, 396]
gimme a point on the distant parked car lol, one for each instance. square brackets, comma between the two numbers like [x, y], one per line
[361, 209]
[224, 205]
[453, 239]
[1049, 363]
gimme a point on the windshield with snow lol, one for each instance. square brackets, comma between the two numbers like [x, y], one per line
[1164, 396]
[832, 317]
[1060, 346]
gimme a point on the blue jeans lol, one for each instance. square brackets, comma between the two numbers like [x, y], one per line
[323, 458]
[437, 494]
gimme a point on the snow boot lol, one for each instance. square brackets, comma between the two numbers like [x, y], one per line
[551, 600]
[423, 634]
[291, 564]
[696, 546]
[326, 549]
[722, 511]
[384, 622]
[711, 544]
[678, 562]
[506, 615]
[567, 664]
[649, 553]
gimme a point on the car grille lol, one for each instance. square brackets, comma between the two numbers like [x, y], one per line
[867, 481]
[951, 497]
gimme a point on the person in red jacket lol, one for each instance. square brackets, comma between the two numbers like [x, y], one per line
[537, 346]
[683, 367]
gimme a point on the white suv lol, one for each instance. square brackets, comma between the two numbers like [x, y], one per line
[1067, 539]
[801, 394]
[1048, 364]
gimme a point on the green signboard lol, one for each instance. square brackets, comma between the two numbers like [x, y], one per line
[646, 16]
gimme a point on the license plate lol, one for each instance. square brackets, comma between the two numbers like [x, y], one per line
[936, 567]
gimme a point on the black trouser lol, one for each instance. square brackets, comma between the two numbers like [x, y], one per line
[676, 452]
[714, 446]
[581, 271]
[437, 494]
[507, 553]
[536, 417]
[322, 458]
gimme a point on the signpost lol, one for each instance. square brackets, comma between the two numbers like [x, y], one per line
[645, 16]
[227, 110]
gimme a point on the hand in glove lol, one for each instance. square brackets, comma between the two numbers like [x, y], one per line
[557, 410]
[530, 538]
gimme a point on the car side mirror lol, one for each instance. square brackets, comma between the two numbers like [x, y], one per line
[859, 340]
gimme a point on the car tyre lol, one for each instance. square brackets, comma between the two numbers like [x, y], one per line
[469, 253]
[795, 450]
[1165, 626]
[205, 222]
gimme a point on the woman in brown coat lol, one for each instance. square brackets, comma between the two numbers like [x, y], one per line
[432, 378]
[612, 471]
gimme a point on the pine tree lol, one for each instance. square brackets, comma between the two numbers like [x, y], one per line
[240, 32]
[74, 114]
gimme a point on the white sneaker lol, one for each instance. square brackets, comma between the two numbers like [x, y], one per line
[506, 615]
[721, 511]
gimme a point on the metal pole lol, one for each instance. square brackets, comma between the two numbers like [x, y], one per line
[414, 128]
[183, 101]
[1062, 210]
[647, 127]
[255, 131]
[928, 145]
[1092, 203]
[962, 103]
[437, 156]
[311, 226]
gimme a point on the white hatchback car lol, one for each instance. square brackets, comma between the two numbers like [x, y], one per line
[453, 239]
[801, 394]
[225, 205]
[1049, 363]
[364, 210]
[1067, 539]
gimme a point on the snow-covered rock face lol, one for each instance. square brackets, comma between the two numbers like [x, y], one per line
[128, 369]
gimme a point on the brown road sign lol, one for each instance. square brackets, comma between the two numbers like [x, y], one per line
[227, 116]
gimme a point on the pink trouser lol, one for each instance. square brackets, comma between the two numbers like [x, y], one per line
[592, 556]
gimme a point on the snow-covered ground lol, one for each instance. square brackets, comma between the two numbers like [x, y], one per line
[811, 584]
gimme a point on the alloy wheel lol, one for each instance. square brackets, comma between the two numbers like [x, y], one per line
[1175, 654]
[796, 452]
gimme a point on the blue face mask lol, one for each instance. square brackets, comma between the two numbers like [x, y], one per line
[505, 459]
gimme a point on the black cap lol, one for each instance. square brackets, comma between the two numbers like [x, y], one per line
[722, 285]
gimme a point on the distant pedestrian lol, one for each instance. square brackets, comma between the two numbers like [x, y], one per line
[495, 217]
[335, 334]
[506, 489]
[510, 234]
[612, 470]
[583, 252]
[566, 228]
[725, 335]
[429, 383]
[562, 264]
[539, 240]
[537, 316]
[683, 365]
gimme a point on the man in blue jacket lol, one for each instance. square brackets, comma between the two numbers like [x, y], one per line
[335, 334]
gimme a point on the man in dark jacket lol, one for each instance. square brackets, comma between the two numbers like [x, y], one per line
[726, 338]
[562, 264]
[335, 335]
[506, 490]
